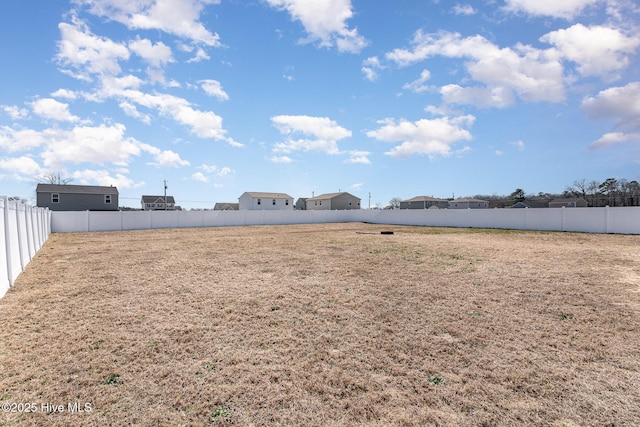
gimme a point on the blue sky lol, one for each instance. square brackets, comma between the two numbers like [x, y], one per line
[383, 98]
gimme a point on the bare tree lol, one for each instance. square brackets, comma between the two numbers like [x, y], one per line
[57, 178]
[395, 203]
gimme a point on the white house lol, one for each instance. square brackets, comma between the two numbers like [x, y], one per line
[265, 201]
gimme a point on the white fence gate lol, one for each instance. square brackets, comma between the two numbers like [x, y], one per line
[23, 229]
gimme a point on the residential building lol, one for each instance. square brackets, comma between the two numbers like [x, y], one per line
[333, 201]
[254, 200]
[468, 204]
[76, 197]
[424, 202]
[226, 207]
[301, 204]
[158, 203]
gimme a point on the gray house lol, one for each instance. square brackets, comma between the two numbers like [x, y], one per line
[424, 202]
[333, 201]
[77, 197]
[468, 204]
[157, 203]
[222, 206]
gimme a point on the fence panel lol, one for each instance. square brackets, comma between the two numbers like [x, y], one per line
[589, 220]
[23, 231]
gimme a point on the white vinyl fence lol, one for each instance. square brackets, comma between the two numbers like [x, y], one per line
[23, 229]
[622, 220]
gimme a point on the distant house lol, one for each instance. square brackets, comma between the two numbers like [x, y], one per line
[157, 203]
[77, 197]
[226, 207]
[265, 201]
[333, 201]
[577, 202]
[468, 204]
[424, 202]
[301, 204]
[528, 204]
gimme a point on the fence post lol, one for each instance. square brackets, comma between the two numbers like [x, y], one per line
[20, 242]
[7, 239]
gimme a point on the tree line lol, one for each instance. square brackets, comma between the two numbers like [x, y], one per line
[611, 192]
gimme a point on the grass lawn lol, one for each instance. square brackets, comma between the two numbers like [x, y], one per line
[324, 325]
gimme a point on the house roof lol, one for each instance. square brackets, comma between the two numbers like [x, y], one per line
[268, 195]
[329, 196]
[424, 199]
[226, 206]
[157, 199]
[468, 201]
[76, 189]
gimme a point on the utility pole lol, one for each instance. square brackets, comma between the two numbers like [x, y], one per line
[369, 200]
[165, 194]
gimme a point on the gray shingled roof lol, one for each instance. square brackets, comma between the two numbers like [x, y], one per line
[75, 189]
[157, 199]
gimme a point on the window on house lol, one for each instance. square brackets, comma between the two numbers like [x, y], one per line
[320, 202]
[55, 198]
[315, 203]
[107, 199]
[274, 202]
[286, 202]
[259, 201]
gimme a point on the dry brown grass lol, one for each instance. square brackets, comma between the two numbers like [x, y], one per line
[320, 325]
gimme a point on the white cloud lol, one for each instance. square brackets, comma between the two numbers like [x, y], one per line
[65, 94]
[204, 124]
[157, 55]
[99, 144]
[325, 22]
[131, 111]
[23, 165]
[370, 68]
[359, 157]
[418, 85]
[214, 88]
[201, 55]
[51, 109]
[533, 74]
[613, 138]
[199, 176]
[598, 50]
[103, 177]
[14, 140]
[620, 104]
[180, 18]
[225, 172]
[281, 159]
[424, 137]
[87, 53]
[15, 112]
[167, 159]
[464, 9]
[554, 8]
[520, 145]
[323, 134]
[498, 97]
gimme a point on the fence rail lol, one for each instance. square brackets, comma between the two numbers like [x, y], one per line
[620, 220]
[24, 229]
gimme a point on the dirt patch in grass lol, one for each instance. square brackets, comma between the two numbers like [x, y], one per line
[324, 325]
